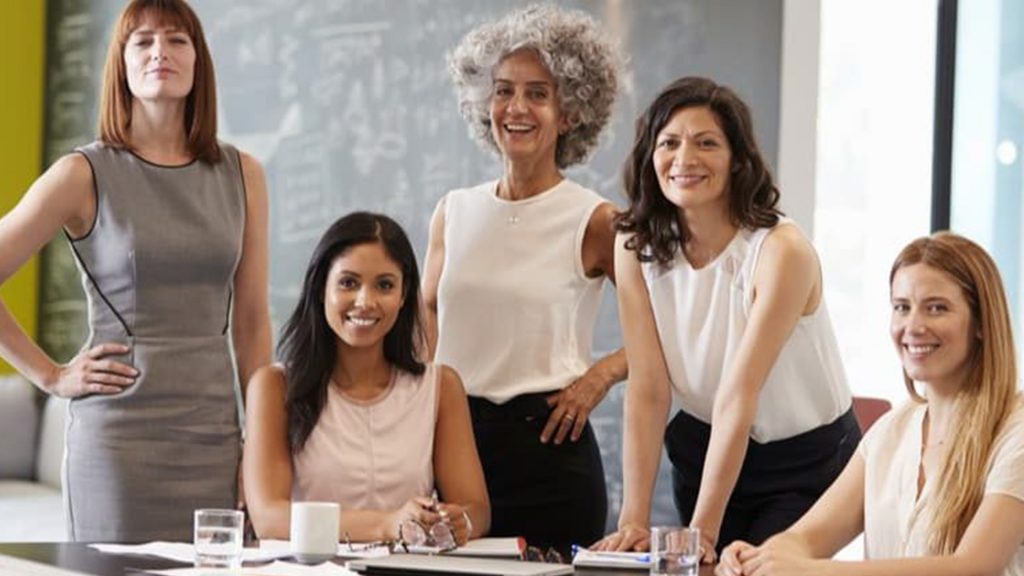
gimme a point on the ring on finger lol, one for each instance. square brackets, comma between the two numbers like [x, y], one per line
[569, 416]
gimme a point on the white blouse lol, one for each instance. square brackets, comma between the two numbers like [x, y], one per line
[515, 308]
[701, 316]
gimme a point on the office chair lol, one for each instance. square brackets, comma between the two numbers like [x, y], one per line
[868, 410]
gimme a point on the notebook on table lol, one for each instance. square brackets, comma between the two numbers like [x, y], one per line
[445, 564]
[491, 547]
[622, 560]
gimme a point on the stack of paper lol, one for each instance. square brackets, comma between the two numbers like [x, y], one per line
[627, 560]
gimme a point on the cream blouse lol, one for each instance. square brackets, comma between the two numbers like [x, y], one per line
[896, 522]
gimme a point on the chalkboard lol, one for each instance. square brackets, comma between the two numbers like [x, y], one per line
[348, 105]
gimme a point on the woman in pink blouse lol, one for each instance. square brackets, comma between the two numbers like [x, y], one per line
[352, 415]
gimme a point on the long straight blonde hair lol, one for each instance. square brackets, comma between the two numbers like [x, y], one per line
[989, 393]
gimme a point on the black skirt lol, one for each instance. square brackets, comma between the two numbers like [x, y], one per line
[778, 482]
[552, 495]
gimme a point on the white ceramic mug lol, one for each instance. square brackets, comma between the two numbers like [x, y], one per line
[314, 531]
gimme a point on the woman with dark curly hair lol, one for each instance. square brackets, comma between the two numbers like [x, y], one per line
[515, 269]
[720, 300]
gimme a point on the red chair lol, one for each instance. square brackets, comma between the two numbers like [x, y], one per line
[868, 410]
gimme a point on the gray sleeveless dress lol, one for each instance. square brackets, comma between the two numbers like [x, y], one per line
[157, 267]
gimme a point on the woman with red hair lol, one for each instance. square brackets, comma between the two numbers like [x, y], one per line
[168, 227]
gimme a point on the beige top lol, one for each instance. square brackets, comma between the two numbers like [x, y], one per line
[372, 454]
[895, 525]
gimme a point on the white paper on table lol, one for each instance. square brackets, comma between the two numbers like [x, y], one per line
[185, 552]
[283, 548]
[277, 568]
[625, 560]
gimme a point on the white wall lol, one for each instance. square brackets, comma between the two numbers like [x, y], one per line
[798, 110]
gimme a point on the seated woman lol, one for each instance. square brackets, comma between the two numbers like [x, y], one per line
[351, 415]
[937, 486]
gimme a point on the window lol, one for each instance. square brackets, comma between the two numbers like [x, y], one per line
[873, 172]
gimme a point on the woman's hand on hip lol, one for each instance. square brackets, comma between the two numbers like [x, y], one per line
[571, 407]
[90, 372]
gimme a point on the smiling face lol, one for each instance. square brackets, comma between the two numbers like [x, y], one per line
[159, 60]
[525, 115]
[363, 295]
[692, 160]
[932, 326]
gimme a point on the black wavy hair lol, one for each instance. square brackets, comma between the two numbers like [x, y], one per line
[308, 347]
[655, 223]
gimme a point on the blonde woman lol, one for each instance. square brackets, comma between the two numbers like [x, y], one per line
[937, 486]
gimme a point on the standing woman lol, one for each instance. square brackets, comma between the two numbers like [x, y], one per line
[515, 268]
[720, 300]
[168, 227]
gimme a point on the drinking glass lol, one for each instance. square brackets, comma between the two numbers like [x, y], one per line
[218, 538]
[675, 550]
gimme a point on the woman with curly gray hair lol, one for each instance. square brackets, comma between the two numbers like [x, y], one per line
[515, 269]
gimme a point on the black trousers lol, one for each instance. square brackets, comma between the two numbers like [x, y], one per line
[778, 482]
[554, 496]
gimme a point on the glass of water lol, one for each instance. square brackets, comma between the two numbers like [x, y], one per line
[218, 538]
[675, 550]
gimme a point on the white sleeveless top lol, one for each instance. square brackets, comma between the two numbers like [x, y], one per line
[701, 316]
[515, 309]
[372, 454]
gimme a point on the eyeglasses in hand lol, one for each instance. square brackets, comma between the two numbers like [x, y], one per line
[438, 535]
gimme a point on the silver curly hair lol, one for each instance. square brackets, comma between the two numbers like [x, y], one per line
[585, 67]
